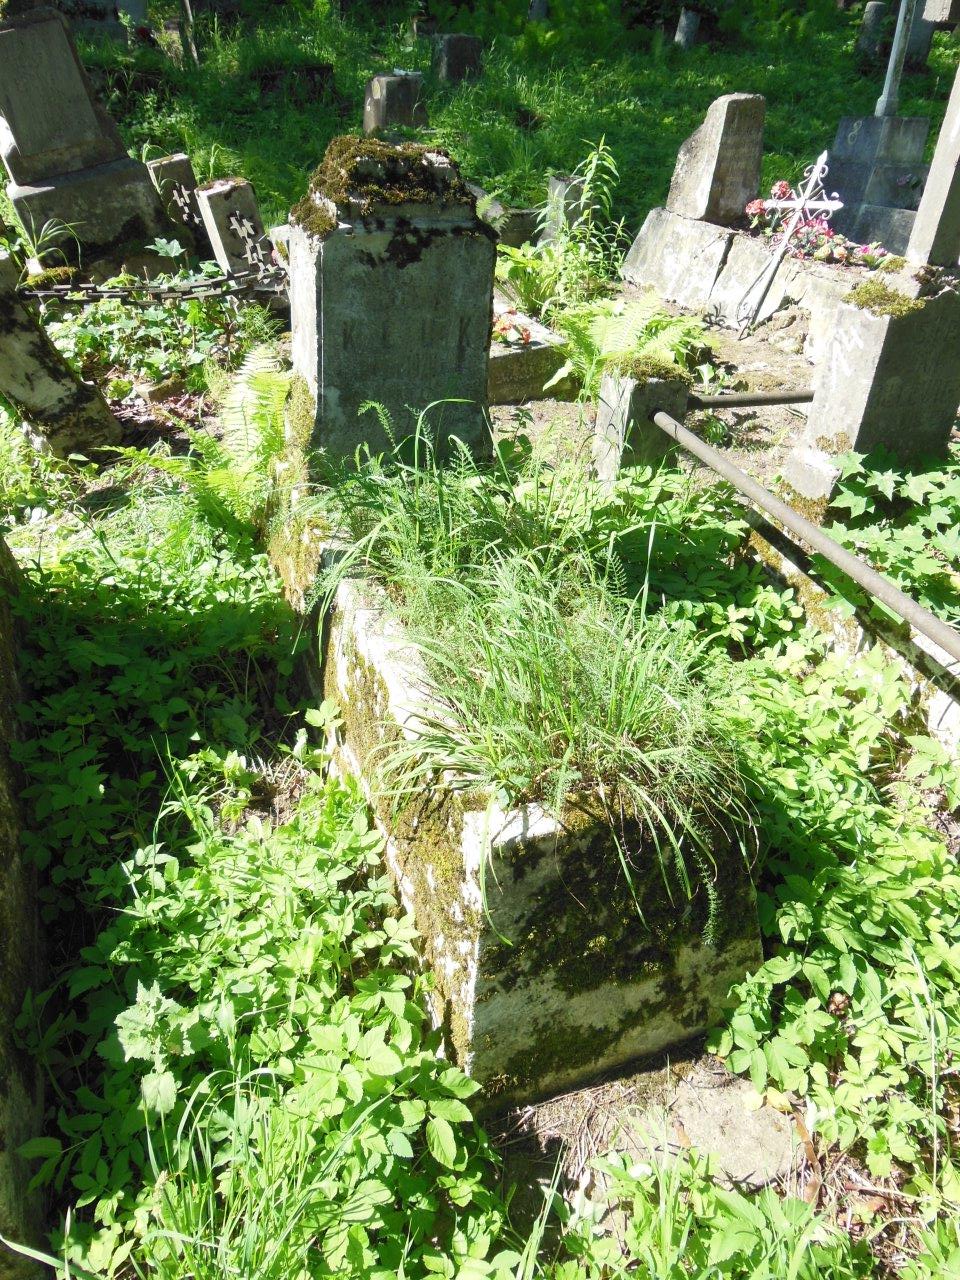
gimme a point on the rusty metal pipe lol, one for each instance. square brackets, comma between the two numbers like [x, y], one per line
[749, 399]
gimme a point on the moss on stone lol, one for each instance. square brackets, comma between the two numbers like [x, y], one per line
[50, 277]
[357, 174]
[891, 265]
[875, 296]
[650, 368]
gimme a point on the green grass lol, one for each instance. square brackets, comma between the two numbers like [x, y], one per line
[534, 111]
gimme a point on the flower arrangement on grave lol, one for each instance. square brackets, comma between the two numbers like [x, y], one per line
[813, 238]
[508, 329]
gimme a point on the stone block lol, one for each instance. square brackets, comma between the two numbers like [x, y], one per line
[457, 58]
[515, 227]
[888, 380]
[391, 289]
[894, 186]
[519, 368]
[546, 974]
[176, 184]
[394, 101]
[935, 237]
[718, 167]
[231, 219]
[896, 140]
[70, 415]
[873, 29]
[873, 222]
[624, 434]
[678, 257]
[565, 204]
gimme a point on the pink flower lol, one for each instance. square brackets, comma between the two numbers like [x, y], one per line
[755, 209]
[781, 190]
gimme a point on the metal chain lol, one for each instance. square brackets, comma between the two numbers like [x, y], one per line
[265, 280]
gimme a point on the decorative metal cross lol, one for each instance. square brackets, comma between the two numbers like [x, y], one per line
[246, 232]
[812, 201]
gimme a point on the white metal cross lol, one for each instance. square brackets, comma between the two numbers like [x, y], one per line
[811, 201]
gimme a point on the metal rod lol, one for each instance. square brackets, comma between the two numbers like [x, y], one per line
[746, 399]
[874, 583]
[888, 100]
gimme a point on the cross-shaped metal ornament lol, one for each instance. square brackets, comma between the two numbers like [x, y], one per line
[246, 233]
[812, 201]
[184, 201]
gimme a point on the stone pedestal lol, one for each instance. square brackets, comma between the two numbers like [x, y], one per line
[548, 971]
[890, 378]
[457, 58]
[176, 184]
[394, 101]
[624, 434]
[718, 167]
[391, 285]
[231, 219]
[64, 155]
[71, 415]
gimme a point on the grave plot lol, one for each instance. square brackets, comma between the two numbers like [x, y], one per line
[524, 356]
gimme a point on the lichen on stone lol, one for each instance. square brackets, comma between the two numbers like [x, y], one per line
[879, 299]
[654, 368]
[357, 174]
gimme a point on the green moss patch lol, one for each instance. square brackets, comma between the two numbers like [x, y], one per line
[879, 299]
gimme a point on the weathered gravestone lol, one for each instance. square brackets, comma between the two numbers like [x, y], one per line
[394, 101]
[688, 26]
[457, 57]
[624, 434]
[391, 287]
[567, 204]
[104, 19]
[876, 166]
[718, 167]
[890, 378]
[231, 219]
[176, 184]
[70, 415]
[935, 238]
[873, 29]
[64, 155]
[929, 17]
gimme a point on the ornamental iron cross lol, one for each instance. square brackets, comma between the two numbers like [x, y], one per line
[246, 233]
[812, 202]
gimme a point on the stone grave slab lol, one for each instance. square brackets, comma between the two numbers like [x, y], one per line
[679, 257]
[718, 167]
[593, 986]
[231, 219]
[391, 289]
[176, 185]
[520, 367]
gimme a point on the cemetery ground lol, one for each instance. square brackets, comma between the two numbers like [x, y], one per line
[241, 1069]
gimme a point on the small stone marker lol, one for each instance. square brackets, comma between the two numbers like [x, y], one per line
[231, 217]
[176, 184]
[872, 29]
[935, 238]
[65, 157]
[457, 58]
[391, 286]
[718, 167]
[624, 434]
[688, 26]
[71, 415]
[890, 378]
[394, 101]
[565, 204]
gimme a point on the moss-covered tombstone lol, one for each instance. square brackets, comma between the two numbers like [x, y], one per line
[551, 966]
[391, 287]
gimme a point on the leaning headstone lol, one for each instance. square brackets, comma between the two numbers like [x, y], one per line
[457, 57]
[873, 29]
[935, 238]
[890, 378]
[176, 184]
[718, 167]
[231, 219]
[70, 415]
[688, 26]
[876, 166]
[65, 157]
[391, 287]
[394, 101]
[624, 434]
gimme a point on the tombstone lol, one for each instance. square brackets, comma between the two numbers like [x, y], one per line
[688, 27]
[176, 184]
[566, 205]
[718, 167]
[394, 101]
[624, 434]
[515, 227]
[876, 166]
[70, 415]
[890, 378]
[231, 219]
[873, 30]
[457, 58]
[391, 287]
[65, 157]
[104, 19]
[935, 238]
[929, 16]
